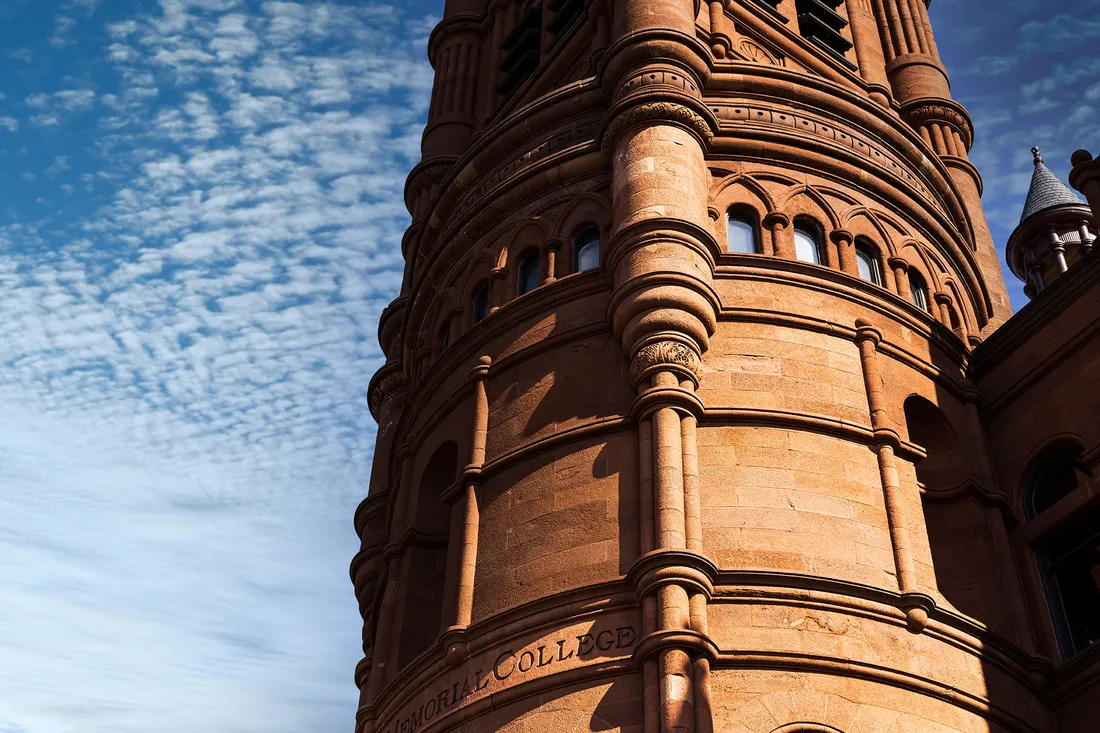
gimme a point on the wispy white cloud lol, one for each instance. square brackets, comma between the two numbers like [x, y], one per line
[182, 373]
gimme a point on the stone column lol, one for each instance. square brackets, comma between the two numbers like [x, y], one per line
[900, 266]
[551, 249]
[779, 224]
[843, 240]
[455, 51]
[664, 311]
[463, 537]
[869, 53]
[915, 604]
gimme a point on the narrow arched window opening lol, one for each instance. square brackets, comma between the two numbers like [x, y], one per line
[918, 291]
[528, 274]
[867, 262]
[1068, 553]
[742, 232]
[481, 303]
[807, 241]
[586, 248]
[444, 339]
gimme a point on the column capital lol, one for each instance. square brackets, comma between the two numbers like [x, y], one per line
[898, 263]
[841, 236]
[776, 219]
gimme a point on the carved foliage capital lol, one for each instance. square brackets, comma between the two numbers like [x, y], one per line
[944, 113]
[667, 111]
[383, 389]
[660, 355]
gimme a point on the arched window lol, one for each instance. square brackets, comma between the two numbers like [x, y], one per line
[1068, 550]
[586, 250]
[807, 241]
[481, 303]
[444, 339]
[918, 291]
[528, 278]
[867, 262]
[742, 232]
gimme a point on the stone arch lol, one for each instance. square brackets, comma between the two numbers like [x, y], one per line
[807, 728]
[791, 206]
[583, 211]
[721, 194]
[875, 230]
[426, 560]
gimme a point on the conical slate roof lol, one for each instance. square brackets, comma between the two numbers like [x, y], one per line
[1046, 190]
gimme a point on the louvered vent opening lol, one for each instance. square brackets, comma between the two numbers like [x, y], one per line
[819, 22]
[521, 51]
[566, 14]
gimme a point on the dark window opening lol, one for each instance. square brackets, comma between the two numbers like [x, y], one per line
[1069, 556]
[819, 21]
[586, 247]
[1053, 480]
[566, 13]
[521, 51]
[445, 335]
[481, 303]
[918, 291]
[742, 233]
[867, 262]
[528, 274]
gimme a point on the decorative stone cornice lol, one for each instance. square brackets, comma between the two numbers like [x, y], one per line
[387, 382]
[458, 25]
[944, 111]
[425, 173]
[667, 111]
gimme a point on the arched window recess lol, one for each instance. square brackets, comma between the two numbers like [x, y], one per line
[809, 242]
[480, 303]
[527, 275]
[868, 263]
[586, 249]
[743, 231]
[1062, 506]
[918, 291]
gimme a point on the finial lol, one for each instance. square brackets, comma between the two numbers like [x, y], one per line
[1038, 158]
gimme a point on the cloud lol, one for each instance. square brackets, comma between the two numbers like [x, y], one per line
[9, 123]
[182, 369]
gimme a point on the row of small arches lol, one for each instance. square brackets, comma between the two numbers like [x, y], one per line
[743, 237]
[536, 267]
[533, 269]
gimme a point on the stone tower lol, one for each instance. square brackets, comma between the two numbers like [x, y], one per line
[677, 424]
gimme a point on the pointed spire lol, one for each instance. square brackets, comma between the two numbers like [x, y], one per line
[1047, 191]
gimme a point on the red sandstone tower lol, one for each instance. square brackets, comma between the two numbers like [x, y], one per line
[685, 424]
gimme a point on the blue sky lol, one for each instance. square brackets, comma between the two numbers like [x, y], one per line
[200, 214]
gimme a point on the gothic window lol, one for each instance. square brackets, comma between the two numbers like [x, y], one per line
[807, 241]
[586, 249]
[819, 21]
[1067, 546]
[867, 262]
[742, 232]
[528, 274]
[918, 291]
[444, 335]
[481, 303]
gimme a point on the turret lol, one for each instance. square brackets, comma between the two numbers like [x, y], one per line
[1054, 231]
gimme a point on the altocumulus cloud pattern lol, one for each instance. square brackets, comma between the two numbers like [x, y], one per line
[200, 202]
